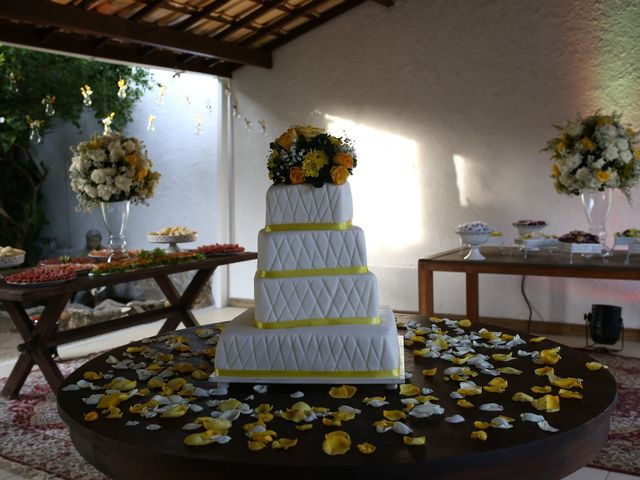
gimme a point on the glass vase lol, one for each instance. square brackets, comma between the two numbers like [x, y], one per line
[115, 216]
[597, 205]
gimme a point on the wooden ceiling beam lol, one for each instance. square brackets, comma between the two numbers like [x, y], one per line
[203, 13]
[268, 29]
[247, 19]
[26, 36]
[147, 9]
[385, 3]
[310, 25]
[46, 13]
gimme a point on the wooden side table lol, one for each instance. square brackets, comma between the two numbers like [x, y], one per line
[39, 338]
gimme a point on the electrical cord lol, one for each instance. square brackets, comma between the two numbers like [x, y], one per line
[524, 295]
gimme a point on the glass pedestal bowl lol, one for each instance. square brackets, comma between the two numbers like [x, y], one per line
[474, 240]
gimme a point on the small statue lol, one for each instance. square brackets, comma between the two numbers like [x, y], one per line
[94, 241]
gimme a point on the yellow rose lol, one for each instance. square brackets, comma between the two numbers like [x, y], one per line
[344, 159]
[555, 170]
[308, 132]
[588, 144]
[288, 138]
[339, 174]
[605, 120]
[602, 175]
[296, 176]
[140, 174]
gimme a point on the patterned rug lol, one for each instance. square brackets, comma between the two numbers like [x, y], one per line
[35, 442]
[621, 453]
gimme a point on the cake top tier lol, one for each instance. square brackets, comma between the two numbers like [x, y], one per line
[310, 155]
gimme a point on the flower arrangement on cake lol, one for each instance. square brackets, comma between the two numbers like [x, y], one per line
[594, 153]
[111, 168]
[310, 155]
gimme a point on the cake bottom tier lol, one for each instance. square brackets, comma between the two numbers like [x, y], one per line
[327, 354]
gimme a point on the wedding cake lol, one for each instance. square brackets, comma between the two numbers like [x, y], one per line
[317, 317]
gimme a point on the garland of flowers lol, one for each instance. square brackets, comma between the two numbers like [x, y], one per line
[310, 155]
[111, 168]
[595, 153]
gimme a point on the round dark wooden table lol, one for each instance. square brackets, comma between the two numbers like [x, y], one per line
[522, 452]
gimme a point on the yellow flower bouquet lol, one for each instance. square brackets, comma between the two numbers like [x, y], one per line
[111, 168]
[310, 155]
[593, 154]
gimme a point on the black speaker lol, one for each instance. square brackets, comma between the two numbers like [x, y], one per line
[605, 323]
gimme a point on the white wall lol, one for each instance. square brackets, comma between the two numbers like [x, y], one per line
[450, 102]
[192, 187]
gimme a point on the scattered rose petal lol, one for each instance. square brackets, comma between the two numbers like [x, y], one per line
[454, 419]
[336, 443]
[414, 441]
[153, 426]
[366, 448]
[297, 394]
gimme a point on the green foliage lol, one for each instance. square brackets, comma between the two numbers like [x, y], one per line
[26, 78]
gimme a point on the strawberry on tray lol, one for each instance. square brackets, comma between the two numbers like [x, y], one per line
[219, 248]
[43, 275]
[77, 264]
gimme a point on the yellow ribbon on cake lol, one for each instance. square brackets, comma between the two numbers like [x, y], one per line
[284, 373]
[319, 322]
[312, 272]
[286, 227]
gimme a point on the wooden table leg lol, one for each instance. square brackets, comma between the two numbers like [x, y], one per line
[185, 301]
[35, 346]
[425, 290]
[472, 296]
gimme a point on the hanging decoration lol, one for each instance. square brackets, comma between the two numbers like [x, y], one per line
[34, 129]
[235, 110]
[86, 95]
[122, 88]
[49, 108]
[151, 123]
[186, 99]
[106, 122]
[13, 82]
[198, 124]
[247, 124]
[209, 107]
[263, 126]
[163, 91]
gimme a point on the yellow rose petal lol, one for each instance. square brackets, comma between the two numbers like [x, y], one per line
[199, 374]
[423, 352]
[394, 415]
[156, 382]
[479, 435]
[567, 383]
[176, 384]
[229, 404]
[249, 426]
[521, 397]
[219, 426]
[510, 371]
[90, 416]
[466, 323]
[92, 376]
[374, 400]
[481, 425]
[113, 412]
[175, 411]
[464, 403]
[547, 403]
[414, 440]
[550, 356]
[569, 394]
[255, 446]
[593, 366]
[366, 448]
[537, 339]
[121, 384]
[409, 390]
[542, 371]
[265, 417]
[336, 443]
[330, 421]
[183, 367]
[541, 390]
[303, 427]
[111, 400]
[284, 443]
[503, 357]
[199, 439]
[264, 437]
[345, 391]
[138, 349]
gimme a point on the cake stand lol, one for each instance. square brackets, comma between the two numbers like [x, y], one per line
[474, 240]
[172, 240]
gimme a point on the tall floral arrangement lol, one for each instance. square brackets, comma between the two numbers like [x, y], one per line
[594, 153]
[310, 155]
[111, 168]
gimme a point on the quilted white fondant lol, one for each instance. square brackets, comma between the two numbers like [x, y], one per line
[305, 203]
[316, 249]
[344, 348]
[316, 297]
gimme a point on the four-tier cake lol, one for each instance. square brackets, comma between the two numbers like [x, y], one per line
[317, 317]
